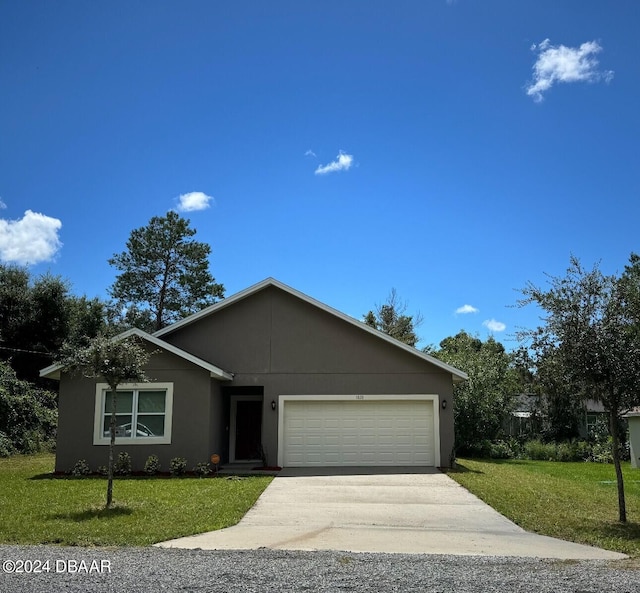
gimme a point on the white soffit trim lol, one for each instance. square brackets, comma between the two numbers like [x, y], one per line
[53, 371]
[457, 374]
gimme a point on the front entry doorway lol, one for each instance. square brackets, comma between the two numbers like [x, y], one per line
[246, 428]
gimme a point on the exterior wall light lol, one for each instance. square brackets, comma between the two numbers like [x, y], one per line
[273, 404]
[444, 404]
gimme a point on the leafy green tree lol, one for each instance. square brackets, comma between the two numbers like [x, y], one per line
[591, 326]
[164, 275]
[49, 321]
[37, 316]
[629, 296]
[559, 413]
[482, 404]
[116, 361]
[14, 310]
[28, 415]
[391, 319]
[88, 318]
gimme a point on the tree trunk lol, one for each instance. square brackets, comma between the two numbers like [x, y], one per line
[112, 443]
[161, 297]
[615, 446]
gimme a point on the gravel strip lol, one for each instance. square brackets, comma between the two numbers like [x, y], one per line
[132, 570]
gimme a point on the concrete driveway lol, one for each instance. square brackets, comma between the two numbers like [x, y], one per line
[406, 510]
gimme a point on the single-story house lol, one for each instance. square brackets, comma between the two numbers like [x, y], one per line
[267, 374]
[525, 416]
[523, 419]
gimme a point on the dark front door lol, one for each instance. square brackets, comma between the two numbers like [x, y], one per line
[248, 429]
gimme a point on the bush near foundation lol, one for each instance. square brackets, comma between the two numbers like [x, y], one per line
[597, 449]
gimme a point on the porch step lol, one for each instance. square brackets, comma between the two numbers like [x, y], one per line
[245, 469]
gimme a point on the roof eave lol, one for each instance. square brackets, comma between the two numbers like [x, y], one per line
[456, 374]
[53, 371]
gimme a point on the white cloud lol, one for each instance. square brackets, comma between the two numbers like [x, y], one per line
[310, 153]
[2, 205]
[466, 309]
[559, 63]
[30, 240]
[343, 162]
[193, 201]
[494, 326]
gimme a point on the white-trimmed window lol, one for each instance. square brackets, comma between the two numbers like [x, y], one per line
[143, 414]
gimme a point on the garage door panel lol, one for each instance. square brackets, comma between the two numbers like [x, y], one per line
[374, 432]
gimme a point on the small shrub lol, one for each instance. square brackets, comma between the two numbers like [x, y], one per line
[516, 446]
[81, 468]
[583, 451]
[202, 469]
[152, 465]
[103, 470]
[501, 450]
[480, 450]
[6, 446]
[597, 451]
[122, 466]
[177, 466]
[601, 451]
[602, 441]
[539, 451]
[565, 452]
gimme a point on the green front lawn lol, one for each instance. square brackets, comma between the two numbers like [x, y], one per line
[572, 501]
[39, 509]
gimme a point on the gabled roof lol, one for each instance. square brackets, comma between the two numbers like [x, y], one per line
[53, 371]
[457, 374]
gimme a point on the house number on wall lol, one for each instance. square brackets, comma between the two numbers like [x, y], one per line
[359, 396]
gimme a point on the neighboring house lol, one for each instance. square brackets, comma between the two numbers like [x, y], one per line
[523, 419]
[268, 372]
[525, 416]
[594, 412]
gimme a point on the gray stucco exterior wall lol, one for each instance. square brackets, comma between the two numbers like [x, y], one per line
[275, 340]
[192, 412]
[273, 343]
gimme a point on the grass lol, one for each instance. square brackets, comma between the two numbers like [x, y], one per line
[40, 509]
[572, 501]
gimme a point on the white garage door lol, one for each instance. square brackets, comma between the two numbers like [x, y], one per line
[352, 433]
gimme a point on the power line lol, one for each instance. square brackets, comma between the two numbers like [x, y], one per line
[40, 352]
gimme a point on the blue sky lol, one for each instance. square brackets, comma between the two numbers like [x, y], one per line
[452, 150]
